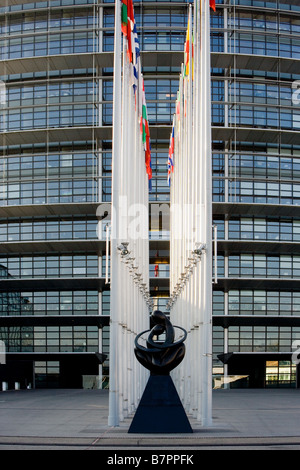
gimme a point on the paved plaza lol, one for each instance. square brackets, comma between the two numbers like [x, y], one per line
[77, 419]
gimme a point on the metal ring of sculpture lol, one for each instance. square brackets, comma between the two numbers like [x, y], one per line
[157, 345]
[160, 358]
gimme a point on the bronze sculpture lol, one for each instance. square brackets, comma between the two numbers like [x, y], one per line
[160, 408]
[160, 357]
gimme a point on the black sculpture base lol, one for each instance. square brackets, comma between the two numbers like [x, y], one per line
[160, 409]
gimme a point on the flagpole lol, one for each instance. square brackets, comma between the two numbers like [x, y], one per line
[191, 207]
[206, 231]
[207, 413]
[113, 413]
[125, 306]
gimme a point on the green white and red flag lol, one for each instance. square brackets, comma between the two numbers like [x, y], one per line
[127, 24]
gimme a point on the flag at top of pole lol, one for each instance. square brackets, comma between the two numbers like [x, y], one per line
[127, 22]
[212, 4]
[171, 153]
[187, 46]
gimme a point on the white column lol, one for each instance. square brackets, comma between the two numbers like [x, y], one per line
[113, 415]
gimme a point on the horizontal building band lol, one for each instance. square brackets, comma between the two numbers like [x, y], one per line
[70, 283]
[66, 246]
[159, 282]
[57, 320]
[78, 208]
[254, 62]
[234, 358]
[149, 59]
[84, 61]
[289, 2]
[55, 356]
[49, 246]
[62, 134]
[229, 283]
[56, 62]
[258, 246]
[251, 209]
[85, 133]
[255, 320]
[249, 134]
[236, 133]
[231, 209]
[50, 284]
[49, 210]
[3, 3]
[85, 209]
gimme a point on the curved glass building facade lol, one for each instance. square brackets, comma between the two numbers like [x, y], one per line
[56, 95]
[255, 69]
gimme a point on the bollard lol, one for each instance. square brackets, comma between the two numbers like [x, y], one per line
[4, 386]
[17, 385]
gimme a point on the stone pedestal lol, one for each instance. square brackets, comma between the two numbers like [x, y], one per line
[160, 409]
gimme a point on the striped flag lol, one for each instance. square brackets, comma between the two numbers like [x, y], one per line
[127, 22]
[136, 59]
[187, 50]
[171, 153]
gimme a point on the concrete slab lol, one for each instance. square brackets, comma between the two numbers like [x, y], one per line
[77, 419]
